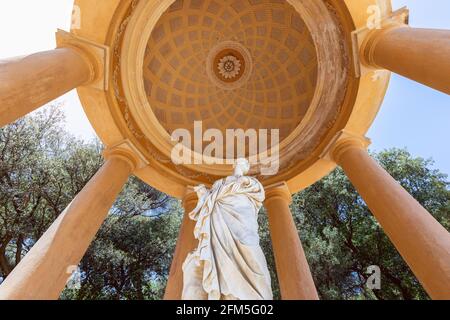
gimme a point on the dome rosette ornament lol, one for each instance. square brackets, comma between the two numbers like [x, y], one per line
[229, 67]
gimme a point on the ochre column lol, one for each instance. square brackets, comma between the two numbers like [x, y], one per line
[186, 243]
[418, 54]
[420, 239]
[29, 82]
[293, 271]
[44, 271]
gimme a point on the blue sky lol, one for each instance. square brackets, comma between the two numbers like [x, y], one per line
[415, 116]
[412, 115]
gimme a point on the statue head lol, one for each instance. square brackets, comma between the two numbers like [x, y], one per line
[241, 167]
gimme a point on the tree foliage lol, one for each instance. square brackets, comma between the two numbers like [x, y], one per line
[342, 238]
[42, 168]
[130, 257]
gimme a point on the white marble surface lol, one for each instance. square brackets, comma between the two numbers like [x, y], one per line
[228, 263]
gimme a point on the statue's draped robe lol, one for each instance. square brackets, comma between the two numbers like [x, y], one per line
[228, 263]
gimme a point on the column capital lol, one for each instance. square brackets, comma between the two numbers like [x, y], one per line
[278, 191]
[363, 38]
[128, 152]
[370, 43]
[97, 56]
[343, 141]
[190, 198]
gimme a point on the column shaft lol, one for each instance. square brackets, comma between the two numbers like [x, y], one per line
[27, 83]
[44, 271]
[418, 54]
[294, 275]
[186, 243]
[420, 239]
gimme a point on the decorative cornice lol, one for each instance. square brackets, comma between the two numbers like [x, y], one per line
[341, 143]
[96, 55]
[279, 191]
[128, 152]
[363, 40]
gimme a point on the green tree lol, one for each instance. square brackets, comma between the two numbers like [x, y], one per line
[42, 168]
[132, 253]
[342, 238]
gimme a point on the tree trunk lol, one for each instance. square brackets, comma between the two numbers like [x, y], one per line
[4, 264]
[19, 247]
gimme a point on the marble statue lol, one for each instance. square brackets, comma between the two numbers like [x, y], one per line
[228, 263]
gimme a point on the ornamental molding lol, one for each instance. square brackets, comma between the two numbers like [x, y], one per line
[246, 65]
[98, 56]
[360, 36]
[127, 149]
[229, 67]
[342, 137]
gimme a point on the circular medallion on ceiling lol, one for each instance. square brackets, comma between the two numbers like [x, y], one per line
[229, 65]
